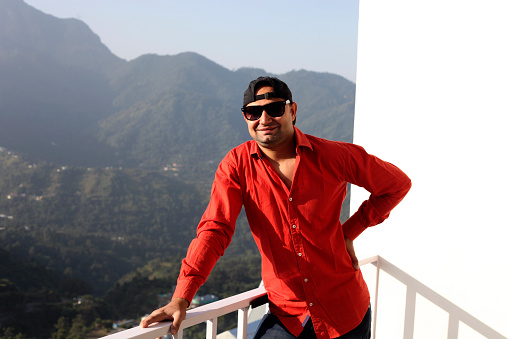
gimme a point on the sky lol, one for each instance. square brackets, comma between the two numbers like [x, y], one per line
[277, 36]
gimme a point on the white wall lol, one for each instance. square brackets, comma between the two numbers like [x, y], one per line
[433, 98]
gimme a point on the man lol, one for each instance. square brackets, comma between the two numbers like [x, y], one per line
[292, 186]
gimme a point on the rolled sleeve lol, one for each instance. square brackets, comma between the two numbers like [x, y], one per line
[387, 184]
[214, 232]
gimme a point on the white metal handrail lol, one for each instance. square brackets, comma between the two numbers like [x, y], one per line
[206, 313]
[241, 302]
[414, 287]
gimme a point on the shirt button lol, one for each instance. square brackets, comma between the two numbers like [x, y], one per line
[290, 199]
[310, 304]
[299, 254]
[294, 226]
[306, 280]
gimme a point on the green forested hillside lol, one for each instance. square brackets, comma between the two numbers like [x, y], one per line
[33, 298]
[66, 232]
[100, 223]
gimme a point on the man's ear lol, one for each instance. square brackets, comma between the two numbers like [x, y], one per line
[293, 108]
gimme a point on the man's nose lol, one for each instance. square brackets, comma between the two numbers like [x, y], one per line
[265, 118]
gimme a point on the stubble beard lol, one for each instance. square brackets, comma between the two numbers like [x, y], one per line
[270, 141]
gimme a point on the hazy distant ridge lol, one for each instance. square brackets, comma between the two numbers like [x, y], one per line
[64, 97]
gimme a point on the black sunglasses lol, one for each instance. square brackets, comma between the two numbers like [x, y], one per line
[274, 109]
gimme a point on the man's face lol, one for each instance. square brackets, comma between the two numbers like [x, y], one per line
[268, 131]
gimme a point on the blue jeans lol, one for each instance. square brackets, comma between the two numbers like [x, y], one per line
[272, 328]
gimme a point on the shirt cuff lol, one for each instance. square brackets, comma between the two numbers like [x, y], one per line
[353, 227]
[186, 289]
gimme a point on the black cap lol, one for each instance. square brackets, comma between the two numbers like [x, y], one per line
[281, 90]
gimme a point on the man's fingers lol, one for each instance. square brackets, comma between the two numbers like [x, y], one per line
[351, 251]
[145, 322]
[153, 318]
[353, 257]
[175, 310]
[355, 263]
[177, 320]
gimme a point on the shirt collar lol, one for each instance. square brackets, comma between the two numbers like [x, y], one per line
[301, 141]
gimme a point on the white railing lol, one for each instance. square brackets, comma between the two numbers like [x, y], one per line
[206, 313]
[414, 288]
[241, 302]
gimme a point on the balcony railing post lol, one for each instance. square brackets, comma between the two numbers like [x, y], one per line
[411, 296]
[179, 335]
[453, 327]
[242, 323]
[212, 328]
[377, 263]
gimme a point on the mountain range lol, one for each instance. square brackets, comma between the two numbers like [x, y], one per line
[65, 98]
[77, 115]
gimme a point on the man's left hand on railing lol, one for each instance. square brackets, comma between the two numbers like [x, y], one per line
[175, 310]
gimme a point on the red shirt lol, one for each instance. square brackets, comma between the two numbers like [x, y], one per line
[306, 269]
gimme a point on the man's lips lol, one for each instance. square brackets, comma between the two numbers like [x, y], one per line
[266, 128]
